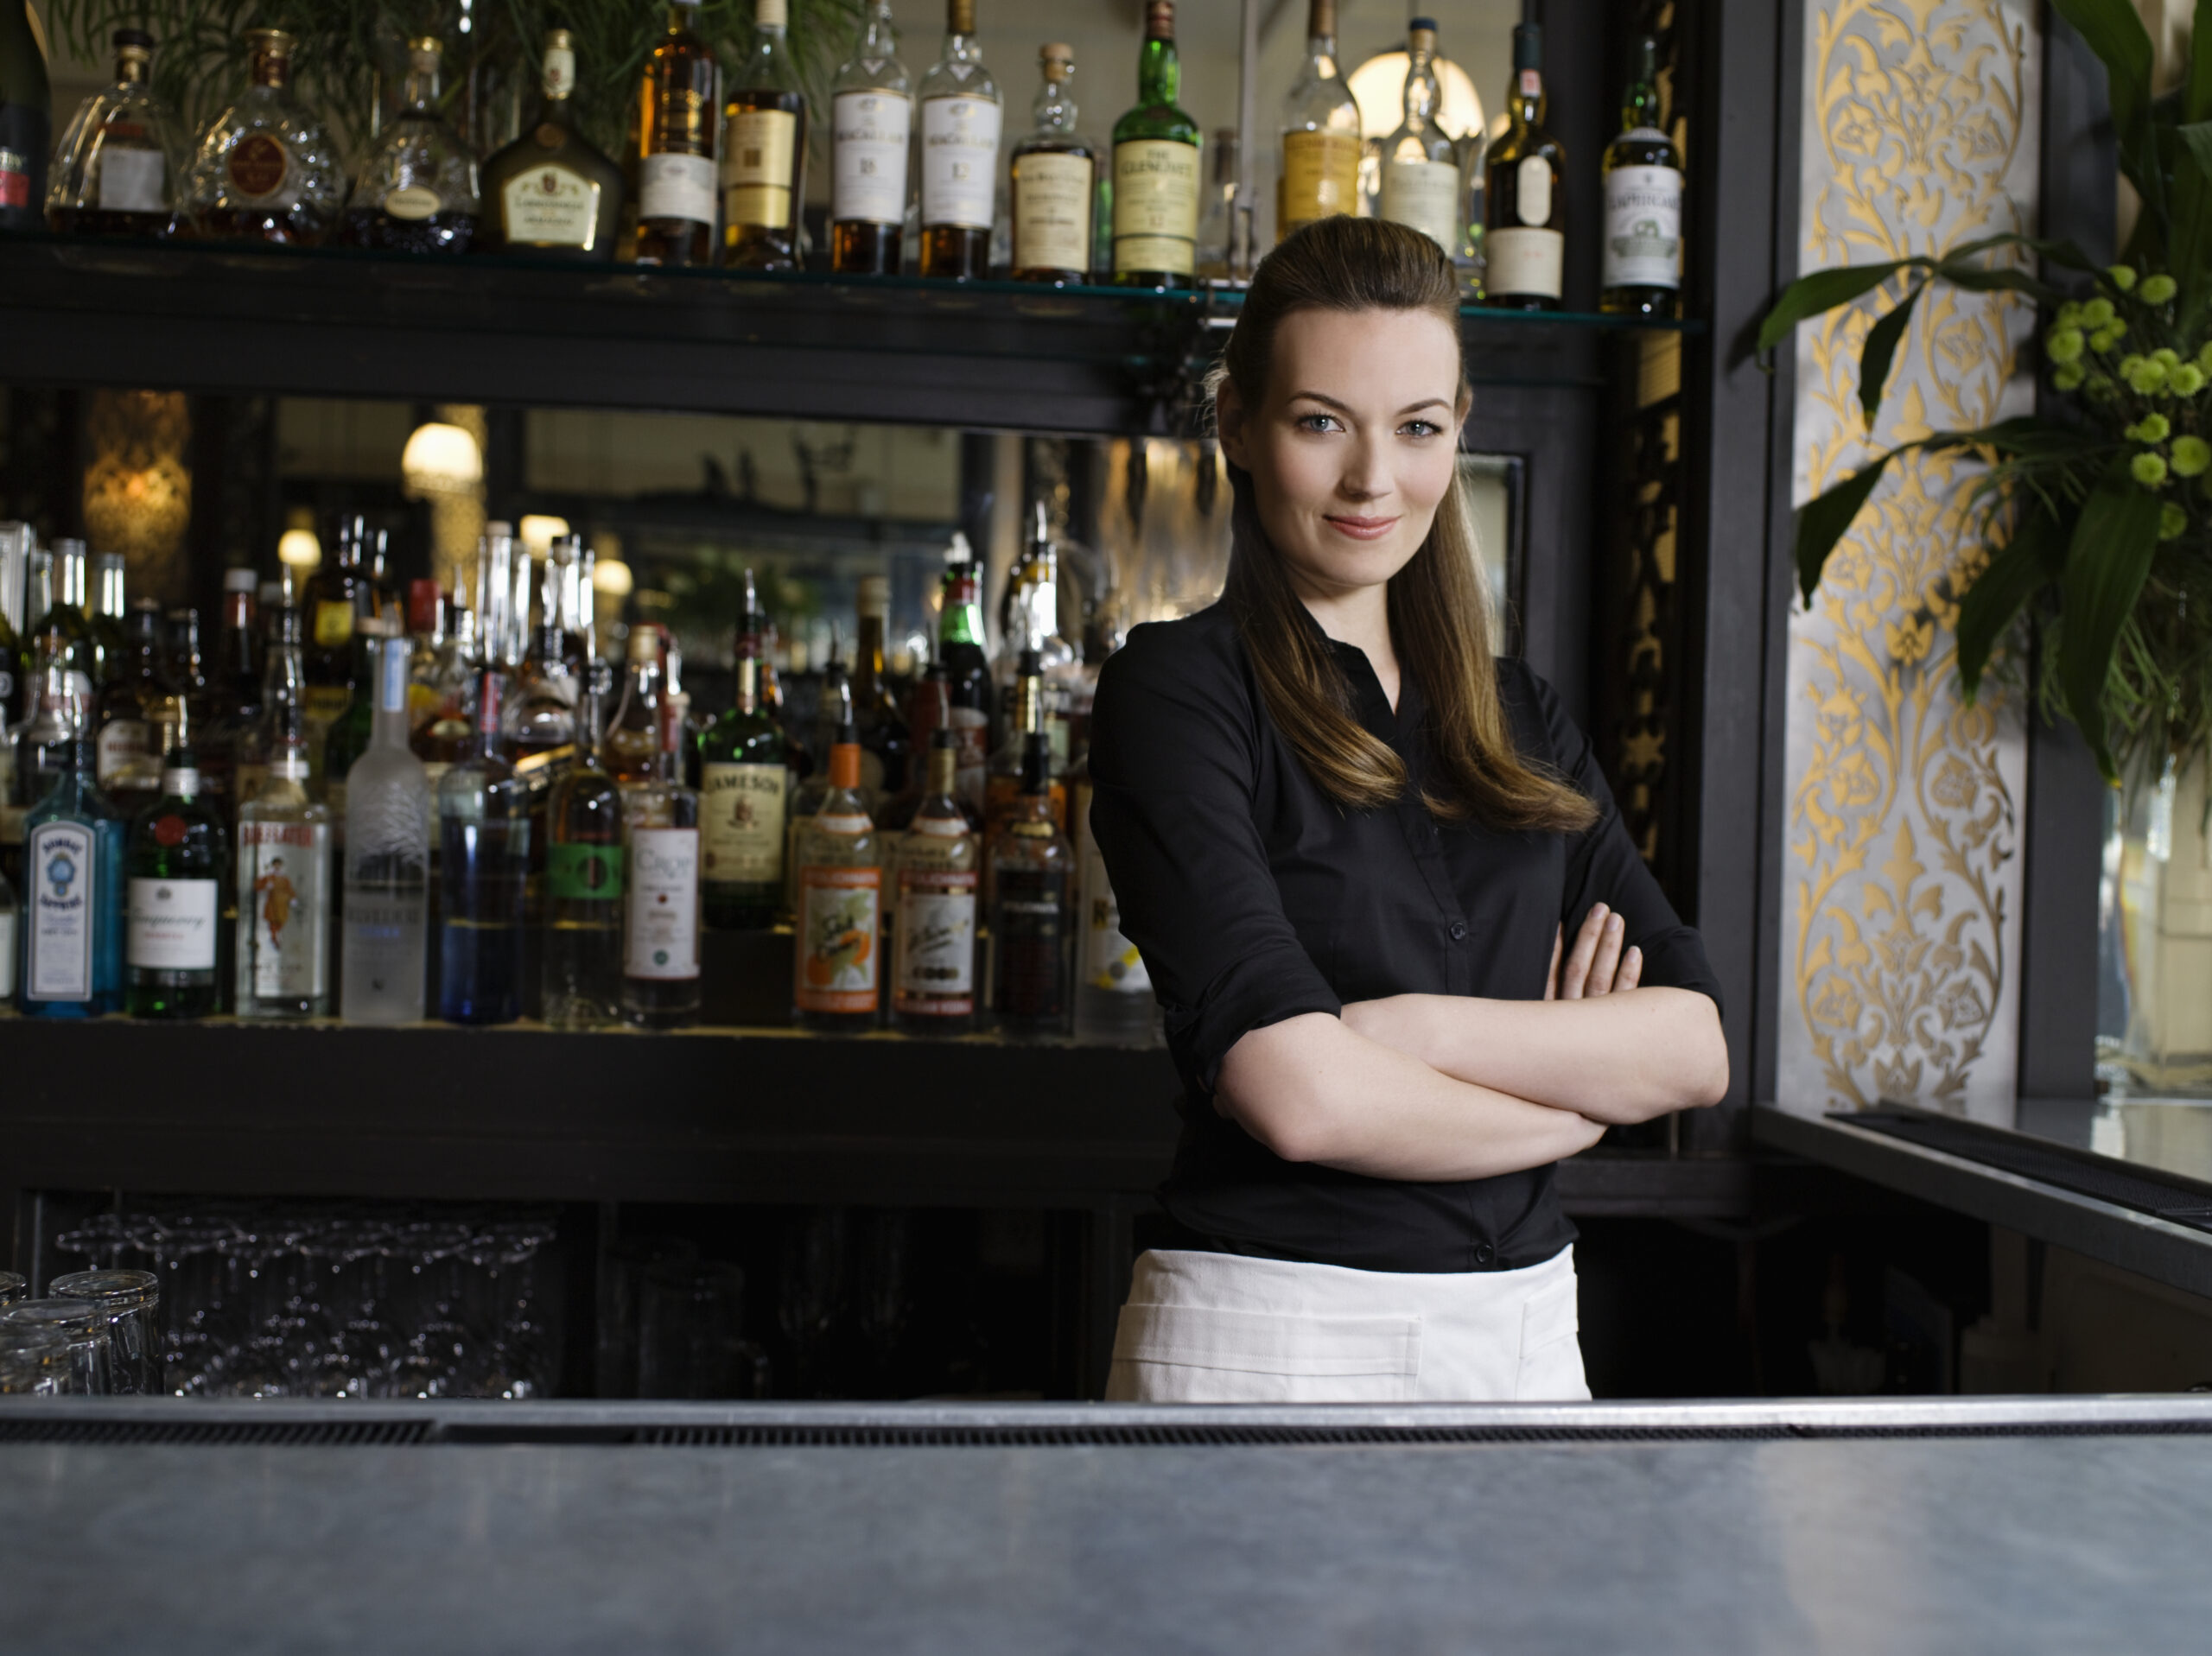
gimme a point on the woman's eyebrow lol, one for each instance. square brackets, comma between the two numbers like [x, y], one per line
[1345, 408]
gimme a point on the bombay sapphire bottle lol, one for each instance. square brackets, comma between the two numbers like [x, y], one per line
[74, 842]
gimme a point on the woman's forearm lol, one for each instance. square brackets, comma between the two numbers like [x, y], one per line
[1313, 1089]
[1620, 1057]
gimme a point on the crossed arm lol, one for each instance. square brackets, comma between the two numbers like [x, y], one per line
[1448, 1087]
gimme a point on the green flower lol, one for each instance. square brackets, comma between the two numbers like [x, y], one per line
[2122, 277]
[2186, 380]
[2068, 379]
[2101, 388]
[2173, 522]
[2171, 359]
[2151, 428]
[2065, 346]
[2147, 375]
[2148, 469]
[2097, 312]
[2158, 288]
[2106, 337]
[2069, 316]
[2192, 456]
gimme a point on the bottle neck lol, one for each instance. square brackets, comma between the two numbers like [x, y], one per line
[867, 657]
[945, 771]
[1054, 109]
[1640, 108]
[880, 39]
[1321, 57]
[962, 622]
[960, 48]
[487, 716]
[388, 726]
[130, 66]
[271, 69]
[1420, 87]
[748, 671]
[421, 91]
[1525, 101]
[72, 566]
[1160, 72]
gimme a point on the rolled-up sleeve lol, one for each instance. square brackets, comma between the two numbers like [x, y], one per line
[1174, 767]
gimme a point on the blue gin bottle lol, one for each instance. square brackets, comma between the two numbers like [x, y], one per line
[73, 844]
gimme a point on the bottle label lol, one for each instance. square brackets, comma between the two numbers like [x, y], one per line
[676, 186]
[960, 161]
[1525, 261]
[1155, 205]
[15, 179]
[867, 157]
[334, 623]
[1643, 228]
[1051, 213]
[560, 72]
[757, 168]
[386, 935]
[1028, 922]
[972, 725]
[1321, 177]
[838, 911]
[131, 180]
[1532, 190]
[411, 203]
[936, 943]
[260, 168]
[662, 938]
[1426, 195]
[122, 749]
[550, 206]
[62, 861]
[1110, 961]
[172, 924]
[282, 868]
[583, 874]
[742, 807]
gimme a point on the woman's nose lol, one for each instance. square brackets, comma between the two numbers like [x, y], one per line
[1365, 475]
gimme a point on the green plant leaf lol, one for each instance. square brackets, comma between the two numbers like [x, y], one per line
[1881, 349]
[1979, 281]
[2111, 31]
[1822, 520]
[2107, 561]
[2020, 568]
[1824, 290]
[2198, 106]
[2189, 252]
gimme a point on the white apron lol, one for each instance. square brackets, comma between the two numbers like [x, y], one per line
[1220, 1328]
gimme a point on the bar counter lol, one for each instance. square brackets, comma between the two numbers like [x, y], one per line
[1871, 1524]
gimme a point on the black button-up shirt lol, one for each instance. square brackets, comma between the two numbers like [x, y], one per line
[1255, 896]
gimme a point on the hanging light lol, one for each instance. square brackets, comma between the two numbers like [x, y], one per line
[441, 458]
[611, 576]
[1378, 86]
[538, 530]
[297, 548]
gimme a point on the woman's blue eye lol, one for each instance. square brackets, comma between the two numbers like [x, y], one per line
[1316, 422]
[1421, 427]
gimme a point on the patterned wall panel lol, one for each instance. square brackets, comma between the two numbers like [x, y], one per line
[1902, 868]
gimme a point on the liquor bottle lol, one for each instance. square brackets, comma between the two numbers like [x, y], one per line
[10, 917]
[16, 539]
[540, 720]
[1421, 165]
[128, 763]
[338, 596]
[416, 192]
[1030, 861]
[179, 868]
[283, 872]
[267, 170]
[1523, 204]
[120, 163]
[550, 193]
[764, 149]
[933, 929]
[73, 853]
[187, 668]
[580, 984]
[483, 863]
[110, 611]
[1113, 1002]
[660, 911]
[351, 732]
[744, 790]
[1054, 183]
[1029, 619]
[630, 748]
[967, 670]
[871, 117]
[1218, 248]
[1156, 169]
[1026, 717]
[283, 699]
[449, 735]
[886, 753]
[235, 691]
[961, 120]
[25, 120]
[1641, 264]
[387, 858]
[63, 630]
[676, 112]
[837, 975]
[1321, 132]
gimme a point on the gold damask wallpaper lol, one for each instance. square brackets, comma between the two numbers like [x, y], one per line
[1902, 866]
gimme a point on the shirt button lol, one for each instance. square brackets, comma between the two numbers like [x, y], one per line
[1484, 1254]
[1459, 930]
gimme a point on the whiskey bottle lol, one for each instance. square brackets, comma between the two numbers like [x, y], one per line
[25, 120]
[179, 869]
[73, 853]
[744, 790]
[1421, 165]
[284, 885]
[933, 934]
[127, 762]
[63, 630]
[1641, 263]
[764, 149]
[234, 690]
[550, 193]
[1156, 168]
[483, 863]
[267, 170]
[387, 857]
[117, 170]
[871, 118]
[1523, 203]
[630, 746]
[1026, 717]
[677, 112]
[961, 120]
[968, 669]
[660, 911]
[1030, 864]
[836, 977]
[336, 598]
[580, 984]
[1054, 183]
[416, 192]
[1320, 133]
[886, 753]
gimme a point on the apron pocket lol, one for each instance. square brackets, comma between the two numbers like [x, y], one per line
[1193, 1354]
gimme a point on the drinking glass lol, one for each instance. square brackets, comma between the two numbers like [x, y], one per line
[131, 1301]
[33, 1360]
[692, 1343]
[622, 1291]
[12, 1288]
[83, 1326]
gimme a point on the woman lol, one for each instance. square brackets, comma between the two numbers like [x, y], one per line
[1351, 845]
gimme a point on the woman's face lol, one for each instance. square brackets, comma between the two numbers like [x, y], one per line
[1353, 445]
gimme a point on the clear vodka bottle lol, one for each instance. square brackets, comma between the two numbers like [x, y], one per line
[387, 859]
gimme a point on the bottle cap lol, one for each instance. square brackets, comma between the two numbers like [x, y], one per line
[845, 760]
[875, 597]
[239, 579]
[423, 598]
[423, 54]
[1527, 46]
[645, 642]
[772, 14]
[1160, 20]
[1057, 53]
[1428, 24]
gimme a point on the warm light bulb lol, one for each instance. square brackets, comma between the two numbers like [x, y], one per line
[1378, 86]
[611, 576]
[538, 531]
[440, 456]
[298, 549]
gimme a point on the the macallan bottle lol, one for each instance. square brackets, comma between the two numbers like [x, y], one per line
[1156, 168]
[677, 111]
[1523, 204]
[961, 120]
[1320, 133]
[1054, 179]
[764, 149]
[871, 115]
[838, 973]
[550, 193]
[1641, 263]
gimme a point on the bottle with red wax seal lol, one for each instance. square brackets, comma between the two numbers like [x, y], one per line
[179, 867]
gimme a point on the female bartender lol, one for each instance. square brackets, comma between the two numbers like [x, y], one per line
[1408, 955]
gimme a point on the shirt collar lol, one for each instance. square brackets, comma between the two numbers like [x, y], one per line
[1370, 705]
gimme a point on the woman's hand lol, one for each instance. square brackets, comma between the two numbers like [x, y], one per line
[1597, 966]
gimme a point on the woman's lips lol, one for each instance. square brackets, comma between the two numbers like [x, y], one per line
[1363, 529]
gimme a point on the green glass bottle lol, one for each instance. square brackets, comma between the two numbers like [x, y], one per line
[579, 958]
[1156, 169]
[1640, 266]
[179, 868]
[744, 789]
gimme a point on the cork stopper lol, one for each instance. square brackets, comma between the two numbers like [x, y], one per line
[1160, 20]
[1059, 59]
[960, 17]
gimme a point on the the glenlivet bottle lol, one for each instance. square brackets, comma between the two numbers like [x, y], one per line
[550, 193]
[871, 115]
[1156, 168]
[1641, 264]
[961, 120]
[678, 111]
[1523, 201]
[763, 148]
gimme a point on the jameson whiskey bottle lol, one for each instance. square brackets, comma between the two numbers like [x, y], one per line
[744, 787]
[1641, 264]
[677, 110]
[764, 149]
[25, 120]
[1522, 204]
[549, 193]
[1156, 169]
[871, 116]
[1320, 133]
[1054, 183]
[1421, 165]
[961, 120]
[837, 974]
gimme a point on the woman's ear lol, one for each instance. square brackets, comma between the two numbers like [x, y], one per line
[1229, 423]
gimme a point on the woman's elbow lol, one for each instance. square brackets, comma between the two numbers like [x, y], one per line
[1291, 1133]
[1708, 1082]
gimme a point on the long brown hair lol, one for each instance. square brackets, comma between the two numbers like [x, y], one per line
[1439, 618]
